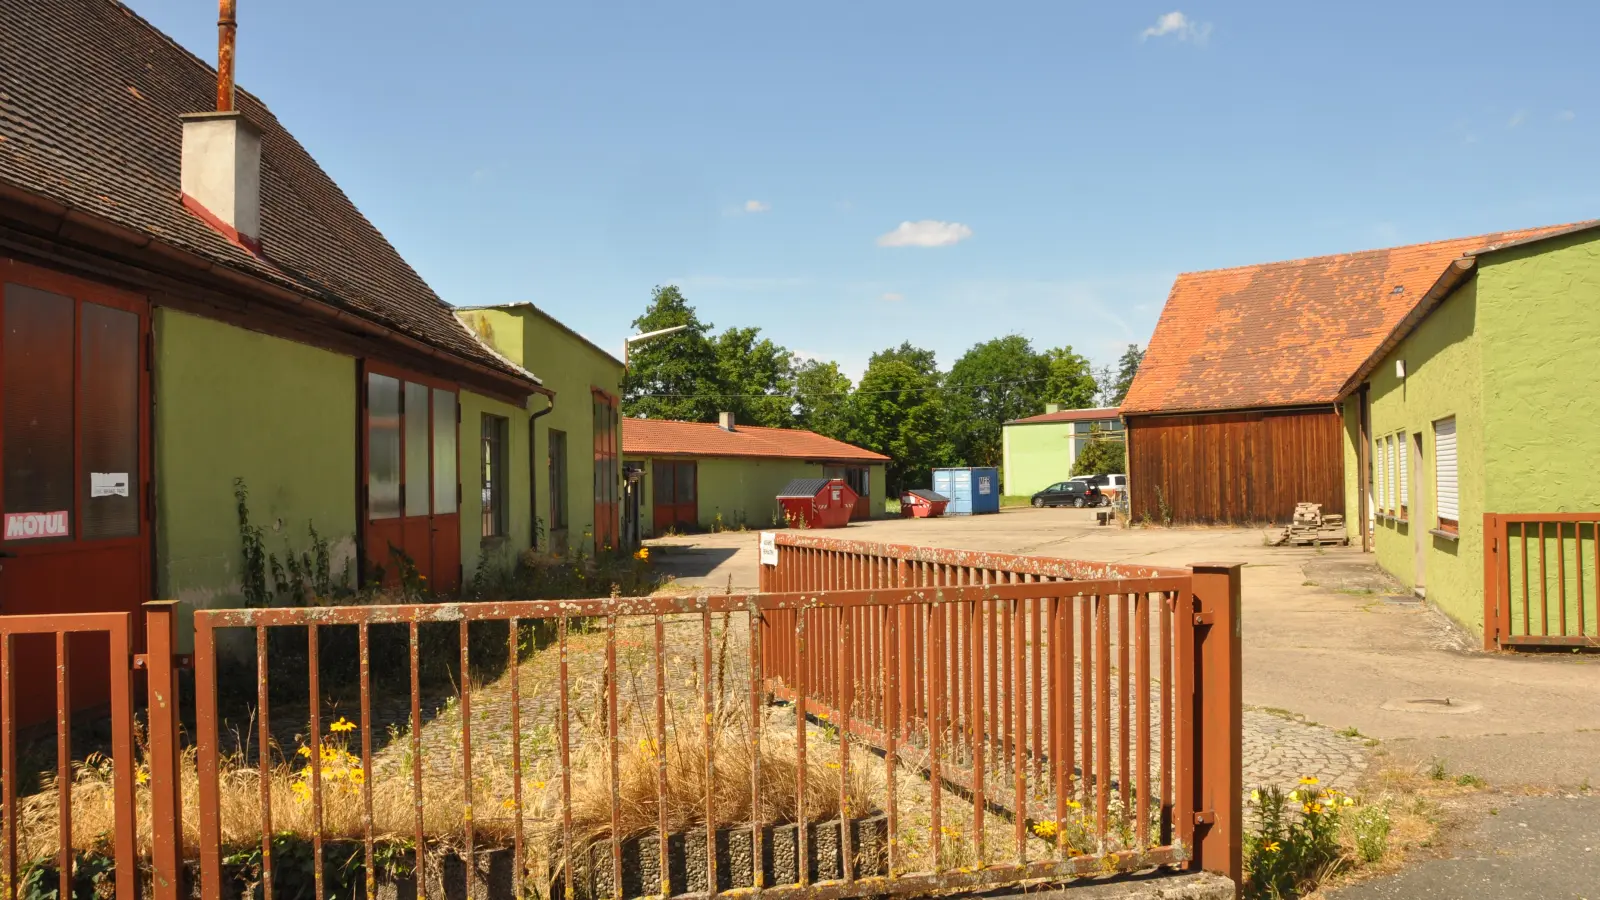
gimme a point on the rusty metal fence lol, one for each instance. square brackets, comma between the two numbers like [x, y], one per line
[877, 720]
[1036, 687]
[1538, 591]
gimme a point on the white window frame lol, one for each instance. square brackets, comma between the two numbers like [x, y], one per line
[1404, 451]
[1447, 475]
[1377, 475]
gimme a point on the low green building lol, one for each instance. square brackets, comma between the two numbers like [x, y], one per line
[693, 476]
[1485, 400]
[574, 478]
[1039, 451]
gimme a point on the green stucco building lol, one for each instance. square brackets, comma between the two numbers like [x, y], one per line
[694, 476]
[1039, 451]
[574, 478]
[1485, 399]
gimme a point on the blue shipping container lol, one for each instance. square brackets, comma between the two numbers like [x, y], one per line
[972, 492]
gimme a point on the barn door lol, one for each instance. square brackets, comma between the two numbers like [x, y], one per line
[606, 473]
[412, 486]
[675, 496]
[74, 463]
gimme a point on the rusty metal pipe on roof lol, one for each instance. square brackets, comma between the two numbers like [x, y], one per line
[227, 32]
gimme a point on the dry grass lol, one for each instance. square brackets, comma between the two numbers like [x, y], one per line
[346, 787]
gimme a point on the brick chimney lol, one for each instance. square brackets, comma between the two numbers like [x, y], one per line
[725, 421]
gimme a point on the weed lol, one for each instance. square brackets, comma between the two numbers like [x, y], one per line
[1437, 770]
[1350, 732]
[1370, 826]
[1296, 842]
[1469, 780]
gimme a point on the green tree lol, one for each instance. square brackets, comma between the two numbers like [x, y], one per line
[823, 402]
[1127, 367]
[756, 378]
[676, 376]
[1104, 454]
[921, 361]
[1070, 381]
[899, 412]
[991, 384]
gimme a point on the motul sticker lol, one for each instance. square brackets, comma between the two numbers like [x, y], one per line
[25, 526]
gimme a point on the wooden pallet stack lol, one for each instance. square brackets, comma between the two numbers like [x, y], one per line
[1311, 528]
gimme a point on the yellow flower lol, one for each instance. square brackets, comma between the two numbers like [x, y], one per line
[141, 777]
[1307, 809]
[1309, 779]
[1045, 829]
[304, 750]
[1294, 796]
[1073, 804]
[1272, 847]
[833, 765]
[509, 804]
[539, 785]
[1349, 802]
[644, 553]
[342, 725]
[1255, 796]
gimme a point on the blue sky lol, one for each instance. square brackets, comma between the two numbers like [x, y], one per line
[1059, 162]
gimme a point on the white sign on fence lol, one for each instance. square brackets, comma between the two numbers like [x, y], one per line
[769, 548]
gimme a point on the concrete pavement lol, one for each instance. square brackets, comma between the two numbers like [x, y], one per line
[1320, 639]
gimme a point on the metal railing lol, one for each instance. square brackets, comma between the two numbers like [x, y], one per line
[1537, 588]
[908, 720]
[1037, 686]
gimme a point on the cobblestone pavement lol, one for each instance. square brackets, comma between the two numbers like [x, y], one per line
[1279, 750]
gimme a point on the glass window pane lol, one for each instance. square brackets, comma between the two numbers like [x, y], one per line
[444, 452]
[558, 480]
[109, 423]
[685, 479]
[494, 476]
[416, 426]
[38, 413]
[662, 487]
[383, 446]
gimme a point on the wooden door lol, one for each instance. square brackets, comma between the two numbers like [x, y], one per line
[675, 494]
[412, 485]
[74, 467]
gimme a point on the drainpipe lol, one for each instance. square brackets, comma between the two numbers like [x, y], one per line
[533, 467]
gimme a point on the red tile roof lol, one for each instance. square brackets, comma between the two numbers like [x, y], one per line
[90, 96]
[664, 437]
[1071, 415]
[1287, 333]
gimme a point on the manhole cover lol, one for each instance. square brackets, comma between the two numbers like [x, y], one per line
[1447, 706]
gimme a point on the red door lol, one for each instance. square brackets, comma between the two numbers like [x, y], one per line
[412, 488]
[675, 497]
[74, 458]
[606, 473]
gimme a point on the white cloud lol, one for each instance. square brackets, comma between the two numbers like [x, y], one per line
[1517, 118]
[756, 206]
[926, 233]
[1180, 26]
[1566, 115]
[893, 297]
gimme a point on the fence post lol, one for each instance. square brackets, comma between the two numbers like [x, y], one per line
[1491, 581]
[1219, 727]
[166, 826]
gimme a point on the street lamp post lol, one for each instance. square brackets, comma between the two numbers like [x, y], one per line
[627, 343]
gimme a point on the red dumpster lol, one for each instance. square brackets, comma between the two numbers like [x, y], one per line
[922, 504]
[817, 503]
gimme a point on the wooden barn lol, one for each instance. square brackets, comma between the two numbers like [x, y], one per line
[1235, 415]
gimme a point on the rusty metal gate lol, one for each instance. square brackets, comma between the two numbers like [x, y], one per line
[1538, 591]
[880, 720]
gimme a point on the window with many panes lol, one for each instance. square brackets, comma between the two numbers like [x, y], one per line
[495, 496]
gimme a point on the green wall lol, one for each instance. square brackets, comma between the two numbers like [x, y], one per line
[743, 491]
[1035, 456]
[1508, 356]
[1443, 378]
[1540, 315]
[501, 551]
[1352, 466]
[571, 367]
[234, 403]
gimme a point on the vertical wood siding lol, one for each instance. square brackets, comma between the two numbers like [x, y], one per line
[1236, 468]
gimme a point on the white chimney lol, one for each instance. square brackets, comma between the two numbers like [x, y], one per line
[222, 174]
[725, 421]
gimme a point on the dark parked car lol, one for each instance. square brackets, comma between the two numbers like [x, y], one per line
[1069, 493]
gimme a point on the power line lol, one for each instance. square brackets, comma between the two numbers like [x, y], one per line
[797, 396]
